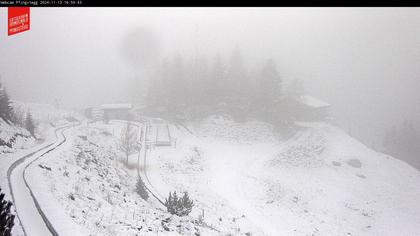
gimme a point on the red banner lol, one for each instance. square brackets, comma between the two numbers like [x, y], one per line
[18, 20]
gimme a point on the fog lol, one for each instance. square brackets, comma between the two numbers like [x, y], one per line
[363, 61]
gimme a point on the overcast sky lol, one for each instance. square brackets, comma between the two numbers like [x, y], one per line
[364, 61]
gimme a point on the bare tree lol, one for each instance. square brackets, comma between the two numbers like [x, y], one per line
[128, 140]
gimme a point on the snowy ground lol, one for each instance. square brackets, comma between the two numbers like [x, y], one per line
[13, 138]
[94, 189]
[320, 182]
[31, 217]
[243, 178]
[23, 144]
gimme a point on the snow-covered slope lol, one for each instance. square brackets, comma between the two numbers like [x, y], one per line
[13, 137]
[320, 182]
[45, 115]
[243, 178]
[86, 184]
[16, 142]
[45, 112]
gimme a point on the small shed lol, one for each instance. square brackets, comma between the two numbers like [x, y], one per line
[116, 111]
[311, 109]
[94, 113]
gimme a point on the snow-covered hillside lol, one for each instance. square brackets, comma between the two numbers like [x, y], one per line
[16, 142]
[46, 115]
[243, 177]
[87, 189]
[13, 138]
[319, 182]
[45, 112]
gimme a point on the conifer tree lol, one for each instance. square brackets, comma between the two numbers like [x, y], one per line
[179, 206]
[237, 79]
[30, 124]
[218, 76]
[6, 109]
[270, 91]
[141, 189]
[6, 217]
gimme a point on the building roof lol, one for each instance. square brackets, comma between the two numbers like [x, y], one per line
[313, 102]
[116, 106]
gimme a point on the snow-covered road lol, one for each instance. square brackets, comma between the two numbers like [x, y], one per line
[33, 220]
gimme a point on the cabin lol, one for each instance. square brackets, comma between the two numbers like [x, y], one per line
[94, 113]
[106, 112]
[97, 114]
[117, 111]
[309, 108]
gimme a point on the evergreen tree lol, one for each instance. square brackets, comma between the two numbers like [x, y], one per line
[29, 124]
[141, 189]
[218, 78]
[6, 109]
[238, 84]
[158, 91]
[18, 117]
[186, 204]
[179, 206]
[270, 90]
[6, 217]
[202, 83]
[296, 89]
[178, 83]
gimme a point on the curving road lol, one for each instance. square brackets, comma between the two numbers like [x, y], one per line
[31, 217]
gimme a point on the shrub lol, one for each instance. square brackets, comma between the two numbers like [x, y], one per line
[6, 218]
[179, 206]
[141, 189]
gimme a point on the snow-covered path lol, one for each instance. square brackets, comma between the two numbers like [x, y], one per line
[33, 221]
[146, 135]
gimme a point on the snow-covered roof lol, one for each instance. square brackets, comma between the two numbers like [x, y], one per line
[116, 106]
[313, 102]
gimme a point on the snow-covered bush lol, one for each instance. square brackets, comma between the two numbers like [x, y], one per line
[179, 206]
[6, 218]
[141, 189]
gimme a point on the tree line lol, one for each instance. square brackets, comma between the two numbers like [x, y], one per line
[200, 86]
[15, 116]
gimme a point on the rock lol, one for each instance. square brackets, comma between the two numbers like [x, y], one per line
[336, 163]
[354, 163]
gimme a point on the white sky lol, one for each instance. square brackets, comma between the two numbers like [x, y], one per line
[364, 61]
